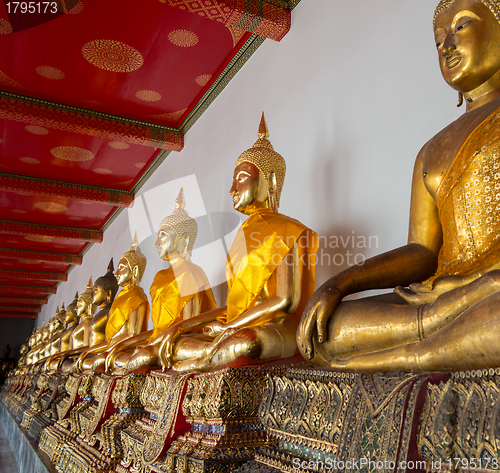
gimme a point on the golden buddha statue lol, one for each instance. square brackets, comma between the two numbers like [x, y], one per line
[55, 328]
[69, 324]
[447, 322]
[270, 274]
[128, 314]
[93, 332]
[41, 337]
[80, 333]
[178, 293]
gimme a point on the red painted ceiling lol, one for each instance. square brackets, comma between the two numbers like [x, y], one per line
[92, 97]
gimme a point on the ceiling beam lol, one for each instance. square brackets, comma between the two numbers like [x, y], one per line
[47, 187]
[21, 310]
[33, 275]
[22, 301]
[27, 289]
[40, 256]
[67, 233]
[18, 316]
[256, 16]
[39, 112]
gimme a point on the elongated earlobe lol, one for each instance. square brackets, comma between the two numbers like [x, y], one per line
[273, 204]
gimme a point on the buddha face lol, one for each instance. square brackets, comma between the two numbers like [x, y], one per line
[99, 295]
[123, 273]
[82, 307]
[467, 38]
[167, 244]
[250, 188]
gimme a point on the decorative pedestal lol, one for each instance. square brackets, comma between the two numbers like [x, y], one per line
[53, 438]
[24, 398]
[46, 414]
[325, 420]
[222, 408]
[80, 452]
[460, 426]
[151, 434]
[99, 423]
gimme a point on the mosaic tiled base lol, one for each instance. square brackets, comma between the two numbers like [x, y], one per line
[99, 422]
[53, 438]
[460, 426]
[152, 432]
[334, 420]
[222, 408]
[43, 412]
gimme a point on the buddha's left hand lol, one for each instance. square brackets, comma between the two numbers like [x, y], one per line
[418, 293]
[214, 328]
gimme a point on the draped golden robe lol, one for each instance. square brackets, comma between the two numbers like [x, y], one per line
[260, 245]
[127, 300]
[469, 204]
[173, 289]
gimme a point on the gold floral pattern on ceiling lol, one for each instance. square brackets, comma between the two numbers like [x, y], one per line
[102, 171]
[29, 160]
[5, 80]
[113, 56]
[183, 38]
[148, 95]
[5, 27]
[118, 145]
[38, 238]
[51, 207]
[36, 130]
[78, 8]
[203, 79]
[50, 72]
[170, 116]
[72, 153]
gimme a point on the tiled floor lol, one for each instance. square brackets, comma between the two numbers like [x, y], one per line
[7, 462]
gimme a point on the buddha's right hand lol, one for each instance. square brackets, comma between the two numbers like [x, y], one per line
[166, 346]
[316, 315]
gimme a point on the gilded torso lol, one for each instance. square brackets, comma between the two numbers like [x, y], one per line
[461, 170]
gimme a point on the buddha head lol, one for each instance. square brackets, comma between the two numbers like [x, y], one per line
[259, 175]
[45, 332]
[131, 265]
[71, 311]
[105, 288]
[61, 317]
[467, 34]
[177, 233]
[55, 325]
[84, 306]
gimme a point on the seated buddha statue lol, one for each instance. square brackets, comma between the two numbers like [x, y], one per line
[69, 324]
[128, 314]
[177, 293]
[447, 322]
[103, 295]
[80, 334]
[41, 338]
[56, 326]
[270, 274]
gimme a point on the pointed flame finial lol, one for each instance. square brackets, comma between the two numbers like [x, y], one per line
[62, 308]
[135, 241]
[180, 202]
[57, 310]
[111, 266]
[263, 132]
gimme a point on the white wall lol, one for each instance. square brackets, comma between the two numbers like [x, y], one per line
[350, 96]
